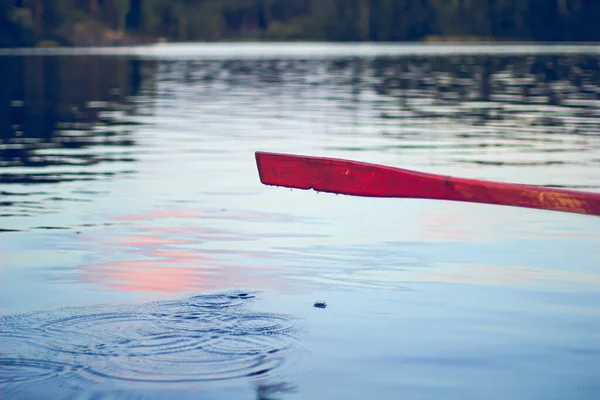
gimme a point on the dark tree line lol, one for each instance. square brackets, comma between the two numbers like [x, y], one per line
[23, 22]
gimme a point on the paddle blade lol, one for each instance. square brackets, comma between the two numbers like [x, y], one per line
[342, 176]
[370, 180]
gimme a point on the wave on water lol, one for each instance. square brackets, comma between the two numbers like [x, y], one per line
[199, 339]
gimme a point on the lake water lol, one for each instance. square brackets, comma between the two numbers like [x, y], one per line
[140, 256]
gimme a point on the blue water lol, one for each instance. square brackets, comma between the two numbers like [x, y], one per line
[140, 257]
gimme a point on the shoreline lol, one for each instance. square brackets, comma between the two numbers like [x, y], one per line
[245, 49]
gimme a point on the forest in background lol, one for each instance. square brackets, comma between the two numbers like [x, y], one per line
[115, 22]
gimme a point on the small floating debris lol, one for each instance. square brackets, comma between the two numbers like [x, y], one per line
[320, 304]
[241, 295]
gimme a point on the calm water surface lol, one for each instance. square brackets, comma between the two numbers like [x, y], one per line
[141, 257]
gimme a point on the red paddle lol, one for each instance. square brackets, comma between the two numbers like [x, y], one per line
[370, 180]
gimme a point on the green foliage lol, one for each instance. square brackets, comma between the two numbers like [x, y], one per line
[121, 10]
[205, 24]
[333, 20]
[16, 26]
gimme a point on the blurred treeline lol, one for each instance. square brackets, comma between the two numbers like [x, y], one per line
[25, 22]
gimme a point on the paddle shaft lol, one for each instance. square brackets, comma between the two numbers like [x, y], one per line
[371, 180]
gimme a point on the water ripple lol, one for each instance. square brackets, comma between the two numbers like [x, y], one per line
[24, 370]
[199, 339]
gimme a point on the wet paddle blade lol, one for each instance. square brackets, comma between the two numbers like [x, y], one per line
[370, 180]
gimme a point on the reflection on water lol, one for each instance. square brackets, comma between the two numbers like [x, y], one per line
[65, 120]
[167, 256]
[130, 177]
[81, 118]
[203, 338]
[65, 117]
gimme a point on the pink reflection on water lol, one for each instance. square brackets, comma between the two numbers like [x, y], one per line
[147, 241]
[141, 275]
[158, 214]
[449, 221]
[231, 214]
[189, 229]
[443, 226]
[170, 258]
[467, 223]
